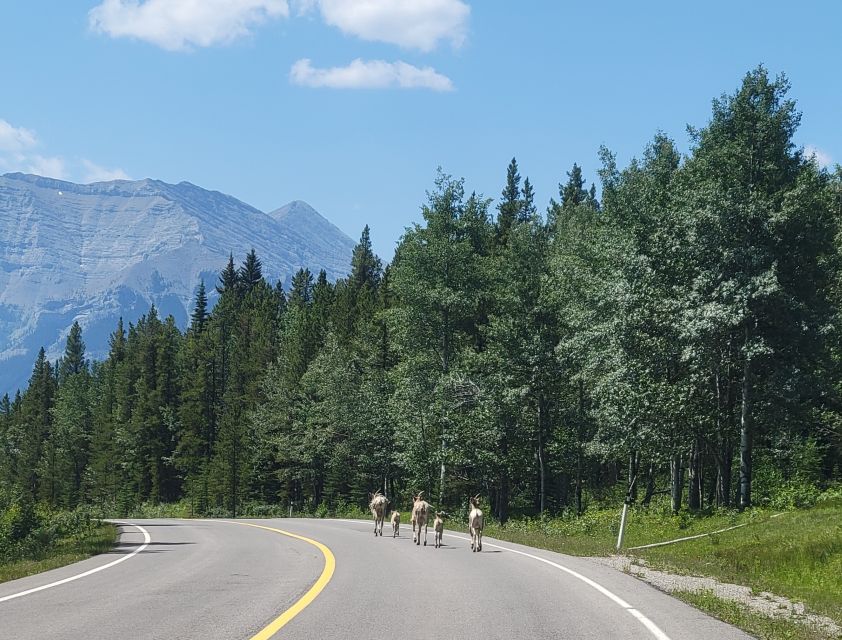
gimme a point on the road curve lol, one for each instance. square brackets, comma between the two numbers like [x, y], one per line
[219, 579]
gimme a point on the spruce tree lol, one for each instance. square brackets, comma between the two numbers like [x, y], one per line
[200, 309]
[573, 192]
[229, 278]
[510, 204]
[366, 268]
[250, 273]
[73, 361]
[527, 208]
[301, 289]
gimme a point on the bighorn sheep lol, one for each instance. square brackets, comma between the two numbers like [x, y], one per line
[396, 523]
[420, 509]
[438, 527]
[475, 522]
[378, 510]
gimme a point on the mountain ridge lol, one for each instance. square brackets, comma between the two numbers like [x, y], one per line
[99, 251]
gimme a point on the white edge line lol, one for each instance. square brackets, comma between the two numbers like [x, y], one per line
[146, 540]
[646, 622]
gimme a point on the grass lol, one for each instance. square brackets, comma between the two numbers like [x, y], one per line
[756, 624]
[595, 532]
[66, 551]
[797, 555]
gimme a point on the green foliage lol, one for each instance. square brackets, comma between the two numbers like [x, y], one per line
[18, 522]
[679, 334]
[798, 555]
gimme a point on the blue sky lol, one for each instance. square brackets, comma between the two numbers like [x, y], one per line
[263, 99]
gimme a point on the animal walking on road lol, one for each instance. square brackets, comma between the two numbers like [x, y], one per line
[378, 510]
[475, 523]
[438, 527]
[420, 510]
[396, 523]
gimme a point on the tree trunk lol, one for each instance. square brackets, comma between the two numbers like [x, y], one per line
[650, 485]
[503, 510]
[579, 437]
[634, 464]
[694, 494]
[677, 477]
[746, 436]
[542, 474]
[723, 475]
[563, 485]
[503, 496]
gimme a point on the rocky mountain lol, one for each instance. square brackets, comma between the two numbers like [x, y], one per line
[99, 251]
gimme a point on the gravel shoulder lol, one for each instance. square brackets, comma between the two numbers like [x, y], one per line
[764, 603]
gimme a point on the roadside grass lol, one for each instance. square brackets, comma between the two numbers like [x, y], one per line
[595, 532]
[756, 624]
[63, 552]
[797, 555]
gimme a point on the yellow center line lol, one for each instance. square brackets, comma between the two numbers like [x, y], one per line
[327, 573]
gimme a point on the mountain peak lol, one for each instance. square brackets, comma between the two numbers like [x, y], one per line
[295, 209]
[97, 252]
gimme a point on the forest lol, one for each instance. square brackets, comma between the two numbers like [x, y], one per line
[672, 331]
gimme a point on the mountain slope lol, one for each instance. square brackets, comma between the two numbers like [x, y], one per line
[96, 252]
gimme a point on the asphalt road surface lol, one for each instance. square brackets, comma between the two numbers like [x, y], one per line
[220, 579]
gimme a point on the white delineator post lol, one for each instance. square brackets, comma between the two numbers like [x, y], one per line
[626, 504]
[622, 526]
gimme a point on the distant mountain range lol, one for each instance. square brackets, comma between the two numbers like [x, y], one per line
[99, 251]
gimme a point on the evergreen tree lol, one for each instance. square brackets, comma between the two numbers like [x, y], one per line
[366, 268]
[229, 278]
[200, 309]
[73, 361]
[250, 273]
[511, 206]
[573, 193]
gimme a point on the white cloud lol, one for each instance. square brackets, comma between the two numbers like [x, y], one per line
[15, 139]
[369, 74]
[19, 151]
[96, 173]
[413, 24]
[821, 157]
[49, 167]
[181, 24]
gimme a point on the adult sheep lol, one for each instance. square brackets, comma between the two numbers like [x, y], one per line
[475, 523]
[378, 510]
[420, 512]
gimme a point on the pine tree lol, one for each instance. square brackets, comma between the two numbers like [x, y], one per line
[229, 278]
[527, 210]
[73, 361]
[573, 192]
[36, 464]
[366, 268]
[301, 289]
[250, 273]
[200, 309]
[510, 207]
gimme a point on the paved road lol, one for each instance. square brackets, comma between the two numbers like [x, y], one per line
[217, 579]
